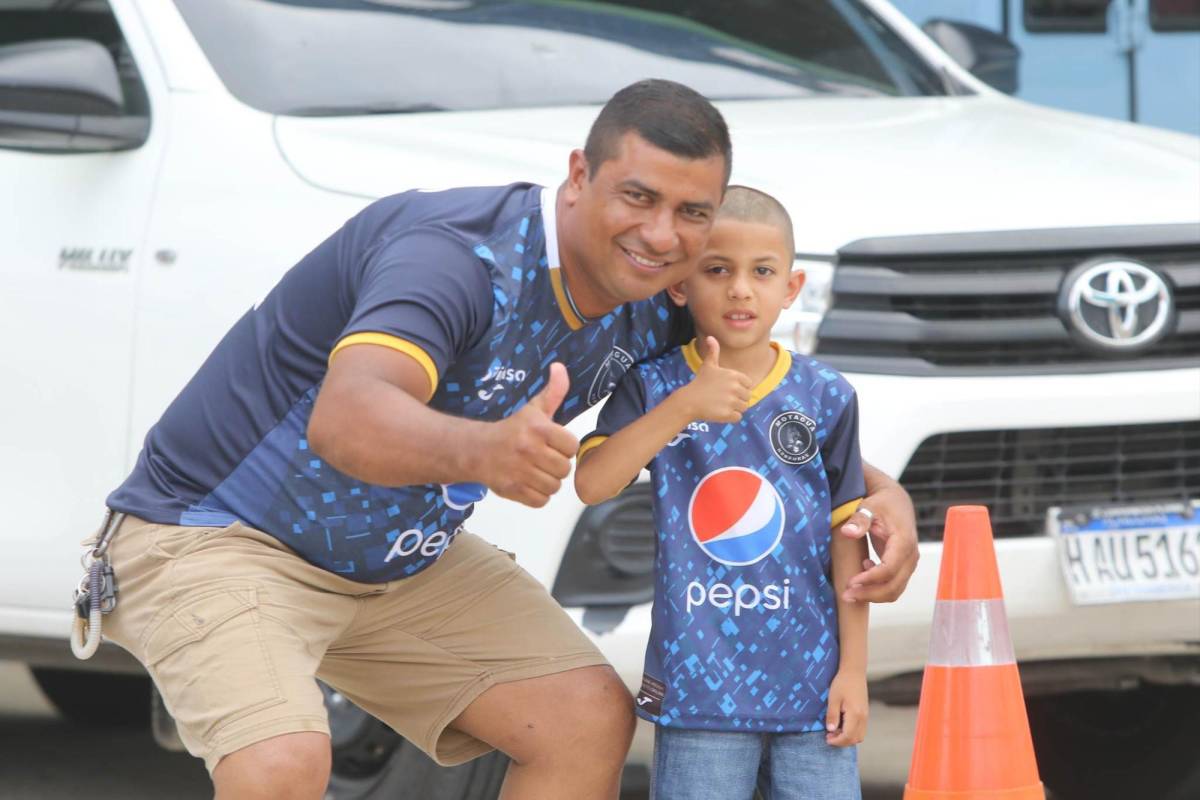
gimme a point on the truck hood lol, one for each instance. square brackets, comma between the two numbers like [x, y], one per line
[847, 169]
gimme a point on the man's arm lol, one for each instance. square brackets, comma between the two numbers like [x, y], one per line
[371, 421]
[892, 523]
[715, 394]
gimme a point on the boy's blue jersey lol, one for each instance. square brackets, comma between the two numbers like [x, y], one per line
[464, 281]
[745, 633]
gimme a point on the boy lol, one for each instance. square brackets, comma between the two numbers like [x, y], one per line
[753, 453]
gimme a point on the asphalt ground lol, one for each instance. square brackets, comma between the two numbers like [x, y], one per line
[43, 757]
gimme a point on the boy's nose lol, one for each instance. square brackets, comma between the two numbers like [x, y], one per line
[739, 288]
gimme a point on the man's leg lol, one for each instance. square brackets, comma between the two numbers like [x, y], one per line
[294, 766]
[231, 627]
[567, 733]
[473, 654]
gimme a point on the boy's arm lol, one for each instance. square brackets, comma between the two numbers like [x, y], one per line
[846, 719]
[716, 394]
[848, 692]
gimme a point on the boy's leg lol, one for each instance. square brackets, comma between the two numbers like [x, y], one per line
[704, 765]
[802, 766]
[473, 654]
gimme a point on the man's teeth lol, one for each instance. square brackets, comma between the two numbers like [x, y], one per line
[645, 262]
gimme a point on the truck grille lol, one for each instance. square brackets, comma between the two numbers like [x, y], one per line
[1019, 474]
[988, 303]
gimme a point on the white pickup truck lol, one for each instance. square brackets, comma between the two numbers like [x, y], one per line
[1014, 291]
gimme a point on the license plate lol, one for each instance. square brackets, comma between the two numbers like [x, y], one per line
[1129, 554]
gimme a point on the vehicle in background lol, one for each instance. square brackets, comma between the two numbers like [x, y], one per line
[1014, 291]
[1135, 60]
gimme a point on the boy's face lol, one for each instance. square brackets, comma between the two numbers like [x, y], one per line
[745, 279]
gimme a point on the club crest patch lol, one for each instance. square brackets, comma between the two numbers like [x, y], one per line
[794, 438]
[615, 365]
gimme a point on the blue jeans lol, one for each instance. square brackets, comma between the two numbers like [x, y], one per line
[720, 765]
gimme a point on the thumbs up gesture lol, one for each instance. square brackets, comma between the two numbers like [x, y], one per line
[529, 453]
[717, 394]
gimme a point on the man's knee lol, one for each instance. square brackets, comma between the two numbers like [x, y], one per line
[294, 766]
[604, 708]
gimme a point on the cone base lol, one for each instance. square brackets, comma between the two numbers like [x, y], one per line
[1034, 792]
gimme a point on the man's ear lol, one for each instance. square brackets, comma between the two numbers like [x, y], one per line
[794, 285]
[577, 176]
[677, 293]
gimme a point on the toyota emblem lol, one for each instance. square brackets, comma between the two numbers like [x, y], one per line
[1116, 305]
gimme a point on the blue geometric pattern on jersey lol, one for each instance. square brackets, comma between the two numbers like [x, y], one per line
[737, 646]
[373, 533]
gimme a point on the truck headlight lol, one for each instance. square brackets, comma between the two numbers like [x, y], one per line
[797, 326]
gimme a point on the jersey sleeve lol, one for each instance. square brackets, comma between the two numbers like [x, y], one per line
[424, 294]
[623, 406]
[842, 459]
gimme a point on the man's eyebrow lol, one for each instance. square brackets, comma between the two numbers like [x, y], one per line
[632, 183]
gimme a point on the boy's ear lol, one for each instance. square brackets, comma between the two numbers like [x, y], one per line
[678, 294]
[794, 285]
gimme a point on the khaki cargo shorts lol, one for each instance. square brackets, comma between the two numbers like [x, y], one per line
[233, 626]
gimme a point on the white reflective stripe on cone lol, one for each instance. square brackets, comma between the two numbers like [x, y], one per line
[970, 633]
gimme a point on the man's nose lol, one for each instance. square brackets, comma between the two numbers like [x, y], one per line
[660, 233]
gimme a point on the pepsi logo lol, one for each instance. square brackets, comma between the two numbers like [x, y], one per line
[736, 516]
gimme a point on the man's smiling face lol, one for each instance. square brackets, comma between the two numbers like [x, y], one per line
[637, 224]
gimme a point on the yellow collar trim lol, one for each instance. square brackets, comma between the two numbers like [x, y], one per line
[783, 362]
[573, 320]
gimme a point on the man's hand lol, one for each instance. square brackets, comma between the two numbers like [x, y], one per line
[717, 394]
[528, 454]
[890, 519]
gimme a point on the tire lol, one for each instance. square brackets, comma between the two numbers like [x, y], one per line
[97, 699]
[371, 762]
[1116, 745]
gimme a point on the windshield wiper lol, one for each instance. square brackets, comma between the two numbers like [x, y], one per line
[363, 110]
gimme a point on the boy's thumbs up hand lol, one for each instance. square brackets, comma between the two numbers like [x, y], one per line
[529, 454]
[717, 394]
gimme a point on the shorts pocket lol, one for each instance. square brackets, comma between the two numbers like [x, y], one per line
[210, 661]
[176, 541]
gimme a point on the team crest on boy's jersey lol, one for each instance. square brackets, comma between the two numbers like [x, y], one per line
[794, 438]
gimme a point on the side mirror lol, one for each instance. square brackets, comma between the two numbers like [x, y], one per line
[986, 54]
[64, 95]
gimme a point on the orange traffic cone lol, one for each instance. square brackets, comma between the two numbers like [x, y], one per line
[973, 739]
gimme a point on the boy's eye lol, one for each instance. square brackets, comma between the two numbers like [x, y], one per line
[764, 271]
[717, 269]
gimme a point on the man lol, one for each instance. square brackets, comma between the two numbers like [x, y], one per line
[298, 509]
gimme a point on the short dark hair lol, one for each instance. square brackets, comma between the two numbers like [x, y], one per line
[668, 115]
[747, 204]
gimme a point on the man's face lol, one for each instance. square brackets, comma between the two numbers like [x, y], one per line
[638, 224]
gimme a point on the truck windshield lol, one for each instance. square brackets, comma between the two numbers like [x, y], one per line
[339, 57]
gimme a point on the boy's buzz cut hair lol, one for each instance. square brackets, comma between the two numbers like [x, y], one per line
[751, 205]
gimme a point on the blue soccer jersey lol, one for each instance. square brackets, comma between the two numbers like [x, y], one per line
[744, 634]
[468, 283]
